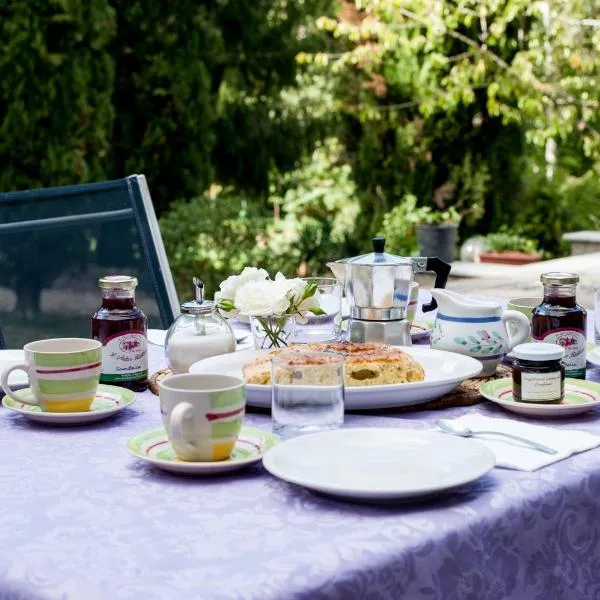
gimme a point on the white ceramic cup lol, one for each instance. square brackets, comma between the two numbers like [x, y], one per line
[202, 414]
[63, 374]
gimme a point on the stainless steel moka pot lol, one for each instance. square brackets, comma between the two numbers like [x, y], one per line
[377, 287]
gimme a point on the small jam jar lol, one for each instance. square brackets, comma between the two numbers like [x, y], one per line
[538, 373]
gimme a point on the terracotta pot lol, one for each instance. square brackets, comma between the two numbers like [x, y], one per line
[509, 258]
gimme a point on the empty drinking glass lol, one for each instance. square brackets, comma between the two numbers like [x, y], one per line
[327, 327]
[307, 392]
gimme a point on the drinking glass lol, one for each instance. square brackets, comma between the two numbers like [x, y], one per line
[597, 316]
[307, 392]
[327, 327]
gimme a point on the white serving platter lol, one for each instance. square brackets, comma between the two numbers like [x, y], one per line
[443, 372]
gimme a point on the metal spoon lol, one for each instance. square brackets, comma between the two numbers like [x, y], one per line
[455, 429]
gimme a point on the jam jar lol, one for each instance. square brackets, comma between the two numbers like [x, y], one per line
[122, 328]
[538, 373]
[560, 320]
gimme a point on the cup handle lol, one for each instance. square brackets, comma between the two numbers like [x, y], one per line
[8, 391]
[178, 414]
[522, 324]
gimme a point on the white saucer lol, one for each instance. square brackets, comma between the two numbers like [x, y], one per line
[420, 330]
[593, 356]
[380, 464]
[110, 399]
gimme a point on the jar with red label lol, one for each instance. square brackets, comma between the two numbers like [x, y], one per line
[121, 327]
[560, 320]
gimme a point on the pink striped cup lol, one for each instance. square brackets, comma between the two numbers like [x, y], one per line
[413, 301]
[63, 374]
[203, 414]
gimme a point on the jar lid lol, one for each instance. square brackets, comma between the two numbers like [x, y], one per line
[538, 351]
[558, 278]
[118, 282]
[199, 306]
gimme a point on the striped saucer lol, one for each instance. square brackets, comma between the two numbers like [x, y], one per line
[580, 396]
[110, 400]
[154, 447]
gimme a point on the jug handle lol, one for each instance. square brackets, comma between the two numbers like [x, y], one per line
[437, 266]
[523, 327]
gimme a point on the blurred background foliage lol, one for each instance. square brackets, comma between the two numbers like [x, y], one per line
[286, 133]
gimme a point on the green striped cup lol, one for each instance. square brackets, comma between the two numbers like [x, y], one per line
[63, 374]
[203, 414]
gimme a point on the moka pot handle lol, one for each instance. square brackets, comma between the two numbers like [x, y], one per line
[435, 265]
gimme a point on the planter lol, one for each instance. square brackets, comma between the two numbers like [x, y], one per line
[437, 240]
[272, 331]
[509, 258]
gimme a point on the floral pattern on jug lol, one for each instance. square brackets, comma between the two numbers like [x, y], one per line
[484, 344]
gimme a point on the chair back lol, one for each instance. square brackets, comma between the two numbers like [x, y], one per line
[56, 243]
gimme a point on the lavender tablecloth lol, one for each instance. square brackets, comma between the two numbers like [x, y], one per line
[81, 519]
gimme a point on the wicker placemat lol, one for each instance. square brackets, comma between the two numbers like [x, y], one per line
[156, 378]
[466, 394]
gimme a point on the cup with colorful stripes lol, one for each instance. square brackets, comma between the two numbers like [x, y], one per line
[202, 414]
[413, 301]
[63, 374]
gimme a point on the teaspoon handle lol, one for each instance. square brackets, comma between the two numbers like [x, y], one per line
[531, 443]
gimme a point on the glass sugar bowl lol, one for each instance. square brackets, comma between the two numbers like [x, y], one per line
[199, 332]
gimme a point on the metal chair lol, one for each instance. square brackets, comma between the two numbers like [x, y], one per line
[54, 245]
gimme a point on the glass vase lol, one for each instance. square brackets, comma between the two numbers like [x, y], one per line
[272, 331]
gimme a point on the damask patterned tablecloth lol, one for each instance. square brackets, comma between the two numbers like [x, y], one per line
[81, 519]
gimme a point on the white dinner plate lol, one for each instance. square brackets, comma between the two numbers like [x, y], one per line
[593, 356]
[157, 336]
[443, 372]
[379, 463]
[8, 358]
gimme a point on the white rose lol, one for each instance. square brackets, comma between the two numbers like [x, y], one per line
[228, 288]
[261, 299]
[253, 274]
[294, 289]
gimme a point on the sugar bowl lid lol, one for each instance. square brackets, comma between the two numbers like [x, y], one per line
[198, 306]
[379, 257]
